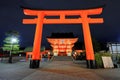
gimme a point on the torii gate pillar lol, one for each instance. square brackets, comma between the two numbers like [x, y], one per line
[36, 56]
[83, 19]
[88, 42]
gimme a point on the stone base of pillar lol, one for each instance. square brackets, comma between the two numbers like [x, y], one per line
[34, 64]
[91, 64]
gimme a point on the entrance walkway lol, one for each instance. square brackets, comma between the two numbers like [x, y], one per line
[55, 70]
[62, 58]
[62, 70]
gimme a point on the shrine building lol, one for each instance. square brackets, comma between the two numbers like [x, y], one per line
[62, 43]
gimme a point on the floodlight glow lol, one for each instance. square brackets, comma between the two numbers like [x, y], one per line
[13, 40]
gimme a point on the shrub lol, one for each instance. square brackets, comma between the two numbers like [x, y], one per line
[118, 58]
[98, 59]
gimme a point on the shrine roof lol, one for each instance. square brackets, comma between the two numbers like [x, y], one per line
[62, 35]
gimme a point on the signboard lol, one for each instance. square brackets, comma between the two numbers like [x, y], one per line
[107, 62]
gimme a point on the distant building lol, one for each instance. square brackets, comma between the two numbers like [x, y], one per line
[62, 43]
[114, 48]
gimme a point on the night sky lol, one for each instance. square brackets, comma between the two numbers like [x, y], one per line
[11, 15]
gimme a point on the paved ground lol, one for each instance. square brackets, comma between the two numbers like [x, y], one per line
[55, 70]
[108, 74]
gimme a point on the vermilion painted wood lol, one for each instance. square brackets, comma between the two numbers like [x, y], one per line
[83, 19]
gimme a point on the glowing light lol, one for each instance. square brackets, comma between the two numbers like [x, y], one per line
[14, 40]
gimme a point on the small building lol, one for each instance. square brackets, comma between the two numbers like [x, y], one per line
[62, 43]
[114, 48]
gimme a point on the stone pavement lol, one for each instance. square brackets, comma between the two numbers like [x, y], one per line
[108, 74]
[55, 70]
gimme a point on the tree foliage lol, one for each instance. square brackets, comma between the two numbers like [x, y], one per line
[8, 44]
[30, 49]
[96, 45]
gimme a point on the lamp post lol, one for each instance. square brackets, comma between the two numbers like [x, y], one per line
[13, 40]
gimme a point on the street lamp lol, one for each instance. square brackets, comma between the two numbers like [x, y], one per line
[12, 41]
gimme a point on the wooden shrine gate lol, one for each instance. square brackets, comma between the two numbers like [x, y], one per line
[84, 19]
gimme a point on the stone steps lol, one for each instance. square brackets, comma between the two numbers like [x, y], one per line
[62, 58]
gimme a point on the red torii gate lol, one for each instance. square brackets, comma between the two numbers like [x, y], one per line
[83, 19]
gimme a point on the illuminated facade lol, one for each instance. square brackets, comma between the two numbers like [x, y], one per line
[62, 44]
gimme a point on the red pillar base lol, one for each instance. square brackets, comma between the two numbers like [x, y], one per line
[91, 64]
[34, 64]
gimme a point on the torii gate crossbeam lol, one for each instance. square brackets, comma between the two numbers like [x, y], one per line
[82, 19]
